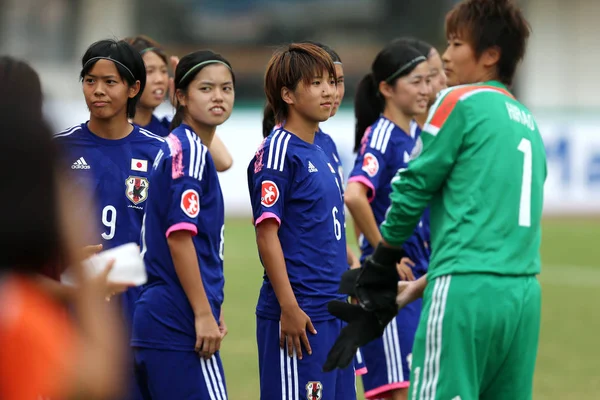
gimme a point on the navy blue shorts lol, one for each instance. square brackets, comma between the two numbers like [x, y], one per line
[288, 378]
[181, 375]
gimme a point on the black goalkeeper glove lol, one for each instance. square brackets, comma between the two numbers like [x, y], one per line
[375, 286]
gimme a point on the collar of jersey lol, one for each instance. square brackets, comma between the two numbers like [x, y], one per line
[110, 142]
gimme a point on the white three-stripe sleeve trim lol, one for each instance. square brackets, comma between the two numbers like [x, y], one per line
[388, 134]
[192, 153]
[271, 146]
[278, 150]
[375, 133]
[382, 133]
[285, 145]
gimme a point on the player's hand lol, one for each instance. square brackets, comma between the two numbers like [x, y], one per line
[407, 293]
[89, 251]
[222, 326]
[294, 324]
[208, 335]
[404, 268]
[363, 327]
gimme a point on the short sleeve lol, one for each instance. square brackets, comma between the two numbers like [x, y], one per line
[186, 173]
[269, 175]
[373, 157]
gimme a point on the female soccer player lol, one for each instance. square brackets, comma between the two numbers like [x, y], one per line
[387, 100]
[297, 206]
[109, 155]
[158, 84]
[178, 324]
[482, 169]
[437, 76]
[322, 139]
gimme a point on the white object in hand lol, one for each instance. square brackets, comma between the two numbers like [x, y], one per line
[128, 268]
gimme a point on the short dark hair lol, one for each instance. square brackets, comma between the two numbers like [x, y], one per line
[492, 23]
[128, 61]
[290, 65]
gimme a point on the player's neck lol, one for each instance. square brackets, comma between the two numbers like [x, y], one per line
[143, 116]
[112, 129]
[301, 127]
[204, 132]
[399, 118]
[421, 119]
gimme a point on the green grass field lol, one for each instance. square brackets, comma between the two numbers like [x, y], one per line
[568, 360]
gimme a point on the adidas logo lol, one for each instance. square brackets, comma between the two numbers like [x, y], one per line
[80, 164]
[311, 167]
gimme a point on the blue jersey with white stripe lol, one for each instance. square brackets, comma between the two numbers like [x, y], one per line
[325, 142]
[186, 196]
[159, 127]
[116, 173]
[386, 148]
[295, 183]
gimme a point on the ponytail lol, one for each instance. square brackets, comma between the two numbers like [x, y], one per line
[368, 104]
[178, 117]
[268, 120]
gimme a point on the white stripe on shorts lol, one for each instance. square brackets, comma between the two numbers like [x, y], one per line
[289, 373]
[433, 340]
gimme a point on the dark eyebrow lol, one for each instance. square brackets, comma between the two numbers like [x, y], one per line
[101, 77]
[213, 84]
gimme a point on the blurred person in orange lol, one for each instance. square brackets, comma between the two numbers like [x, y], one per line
[44, 355]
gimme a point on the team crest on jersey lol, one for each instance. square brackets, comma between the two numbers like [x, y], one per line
[269, 193]
[370, 165]
[136, 189]
[416, 151]
[190, 203]
[314, 390]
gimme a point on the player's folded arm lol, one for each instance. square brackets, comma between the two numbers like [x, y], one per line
[414, 187]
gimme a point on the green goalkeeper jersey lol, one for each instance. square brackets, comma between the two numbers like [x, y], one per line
[481, 169]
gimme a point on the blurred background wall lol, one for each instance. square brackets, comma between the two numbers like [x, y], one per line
[557, 81]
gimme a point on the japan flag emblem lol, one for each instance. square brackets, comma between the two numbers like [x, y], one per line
[269, 193]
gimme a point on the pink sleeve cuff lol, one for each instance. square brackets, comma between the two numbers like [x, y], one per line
[183, 226]
[366, 182]
[267, 215]
[361, 371]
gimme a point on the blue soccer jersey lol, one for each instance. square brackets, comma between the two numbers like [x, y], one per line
[295, 183]
[385, 148]
[326, 143]
[159, 127]
[117, 173]
[187, 196]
